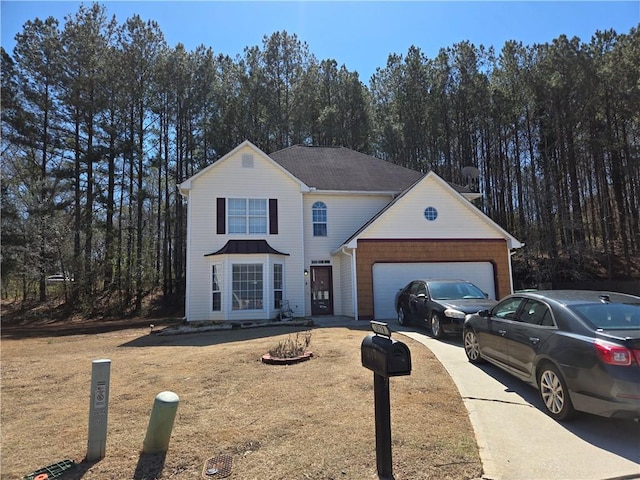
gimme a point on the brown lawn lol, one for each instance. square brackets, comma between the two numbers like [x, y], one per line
[313, 420]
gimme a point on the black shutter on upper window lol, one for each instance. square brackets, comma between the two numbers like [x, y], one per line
[220, 215]
[273, 216]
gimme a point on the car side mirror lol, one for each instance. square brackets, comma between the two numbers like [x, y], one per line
[486, 295]
[484, 313]
[421, 295]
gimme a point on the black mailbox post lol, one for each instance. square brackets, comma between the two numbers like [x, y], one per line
[386, 358]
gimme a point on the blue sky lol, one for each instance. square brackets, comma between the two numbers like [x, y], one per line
[358, 34]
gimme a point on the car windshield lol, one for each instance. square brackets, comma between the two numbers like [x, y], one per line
[454, 291]
[610, 316]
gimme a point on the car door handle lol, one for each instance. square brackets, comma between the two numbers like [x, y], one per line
[534, 340]
[502, 332]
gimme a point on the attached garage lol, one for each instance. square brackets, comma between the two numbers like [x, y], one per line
[429, 231]
[388, 278]
[383, 266]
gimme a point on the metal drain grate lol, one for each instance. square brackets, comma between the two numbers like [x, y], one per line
[218, 467]
[51, 471]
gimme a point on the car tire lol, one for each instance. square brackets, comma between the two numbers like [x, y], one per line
[436, 326]
[554, 393]
[402, 318]
[472, 347]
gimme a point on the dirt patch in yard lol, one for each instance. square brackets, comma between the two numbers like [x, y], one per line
[312, 420]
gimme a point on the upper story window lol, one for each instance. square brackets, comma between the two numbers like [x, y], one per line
[247, 215]
[319, 217]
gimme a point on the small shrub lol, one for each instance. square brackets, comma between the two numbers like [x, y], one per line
[291, 348]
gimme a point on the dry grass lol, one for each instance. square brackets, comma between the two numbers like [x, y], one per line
[313, 420]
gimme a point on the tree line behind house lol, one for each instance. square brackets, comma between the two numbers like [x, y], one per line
[101, 120]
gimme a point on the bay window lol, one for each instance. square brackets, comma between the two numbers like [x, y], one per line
[247, 286]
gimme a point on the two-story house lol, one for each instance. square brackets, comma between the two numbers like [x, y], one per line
[331, 230]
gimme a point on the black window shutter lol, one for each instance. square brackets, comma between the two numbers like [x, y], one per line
[273, 216]
[220, 216]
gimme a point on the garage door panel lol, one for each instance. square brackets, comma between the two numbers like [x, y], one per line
[388, 278]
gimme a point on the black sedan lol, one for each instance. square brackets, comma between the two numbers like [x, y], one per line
[441, 305]
[581, 349]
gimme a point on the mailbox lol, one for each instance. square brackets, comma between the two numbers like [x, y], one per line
[385, 356]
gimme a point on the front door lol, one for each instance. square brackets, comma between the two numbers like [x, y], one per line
[321, 291]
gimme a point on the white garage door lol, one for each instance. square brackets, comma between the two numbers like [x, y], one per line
[388, 278]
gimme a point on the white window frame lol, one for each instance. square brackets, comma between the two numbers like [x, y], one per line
[237, 300]
[216, 277]
[321, 209]
[277, 286]
[255, 215]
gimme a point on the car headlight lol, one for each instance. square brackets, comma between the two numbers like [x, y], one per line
[452, 313]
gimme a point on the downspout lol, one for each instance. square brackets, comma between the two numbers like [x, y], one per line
[354, 281]
[187, 283]
[304, 254]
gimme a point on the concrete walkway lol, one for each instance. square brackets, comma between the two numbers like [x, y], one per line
[517, 440]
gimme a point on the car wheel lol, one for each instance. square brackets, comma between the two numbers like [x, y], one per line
[554, 393]
[472, 347]
[436, 327]
[402, 319]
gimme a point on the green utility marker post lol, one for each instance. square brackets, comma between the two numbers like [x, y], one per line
[161, 423]
[98, 409]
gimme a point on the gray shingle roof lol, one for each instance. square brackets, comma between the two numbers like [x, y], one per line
[342, 169]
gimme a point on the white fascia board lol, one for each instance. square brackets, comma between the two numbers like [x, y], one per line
[184, 188]
[314, 191]
[512, 242]
[352, 245]
[471, 196]
[186, 185]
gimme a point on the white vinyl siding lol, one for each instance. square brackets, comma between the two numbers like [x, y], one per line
[229, 179]
[346, 281]
[346, 213]
[457, 218]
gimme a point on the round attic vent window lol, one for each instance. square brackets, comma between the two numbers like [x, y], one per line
[430, 213]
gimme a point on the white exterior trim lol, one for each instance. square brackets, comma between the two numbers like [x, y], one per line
[186, 186]
[367, 231]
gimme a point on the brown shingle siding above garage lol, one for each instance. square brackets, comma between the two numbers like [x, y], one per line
[422, 250]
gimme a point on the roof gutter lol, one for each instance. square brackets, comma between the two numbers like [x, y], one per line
[316, 191]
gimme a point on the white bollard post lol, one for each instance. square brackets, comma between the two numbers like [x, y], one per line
[98, 409]
[161, 423]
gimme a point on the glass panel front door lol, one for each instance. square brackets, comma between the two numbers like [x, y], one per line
[321, 291]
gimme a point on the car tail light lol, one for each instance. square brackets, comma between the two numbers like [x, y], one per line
[613, 354]
[636, 352]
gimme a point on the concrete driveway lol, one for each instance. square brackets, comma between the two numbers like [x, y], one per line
[517, 440]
